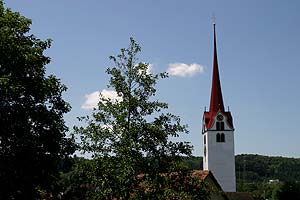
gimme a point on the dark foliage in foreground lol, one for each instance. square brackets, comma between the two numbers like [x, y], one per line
[32, 129]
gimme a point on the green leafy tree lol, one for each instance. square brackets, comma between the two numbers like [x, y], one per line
[129, 138]
[75, 183]
[32, 129]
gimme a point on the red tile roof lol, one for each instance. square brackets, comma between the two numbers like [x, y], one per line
[209, 118]
[203, 174]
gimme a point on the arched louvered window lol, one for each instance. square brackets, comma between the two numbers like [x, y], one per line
[220, 126]
[222, 138]
[218, 137]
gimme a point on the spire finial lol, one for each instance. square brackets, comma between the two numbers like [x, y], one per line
[213, 19]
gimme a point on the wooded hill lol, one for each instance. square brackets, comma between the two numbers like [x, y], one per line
[258, 168]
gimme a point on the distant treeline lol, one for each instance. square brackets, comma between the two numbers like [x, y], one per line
[257, 168]
[253, 174]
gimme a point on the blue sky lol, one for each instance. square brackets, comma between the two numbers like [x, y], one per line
[258, 51]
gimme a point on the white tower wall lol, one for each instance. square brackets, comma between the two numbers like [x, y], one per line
[219, 157]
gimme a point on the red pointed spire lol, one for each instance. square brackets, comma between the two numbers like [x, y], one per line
[216, 99]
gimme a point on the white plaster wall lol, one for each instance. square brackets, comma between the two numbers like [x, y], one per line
[220, 159]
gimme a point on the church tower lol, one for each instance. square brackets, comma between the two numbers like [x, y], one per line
[218, 134]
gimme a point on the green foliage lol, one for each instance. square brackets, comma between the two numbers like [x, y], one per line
[257, 168]
[194, 162]
[253, 173]
[32, 129]
[130, 137]
[75, 183]
[287, 190]
[79, 183]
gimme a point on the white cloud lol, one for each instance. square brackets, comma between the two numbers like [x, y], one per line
[149, 69]
[111, 94]
[183, 70]
[92, 99]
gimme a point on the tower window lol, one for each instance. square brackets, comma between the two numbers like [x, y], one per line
[220, 126]
[220, 137]
[204, 139]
